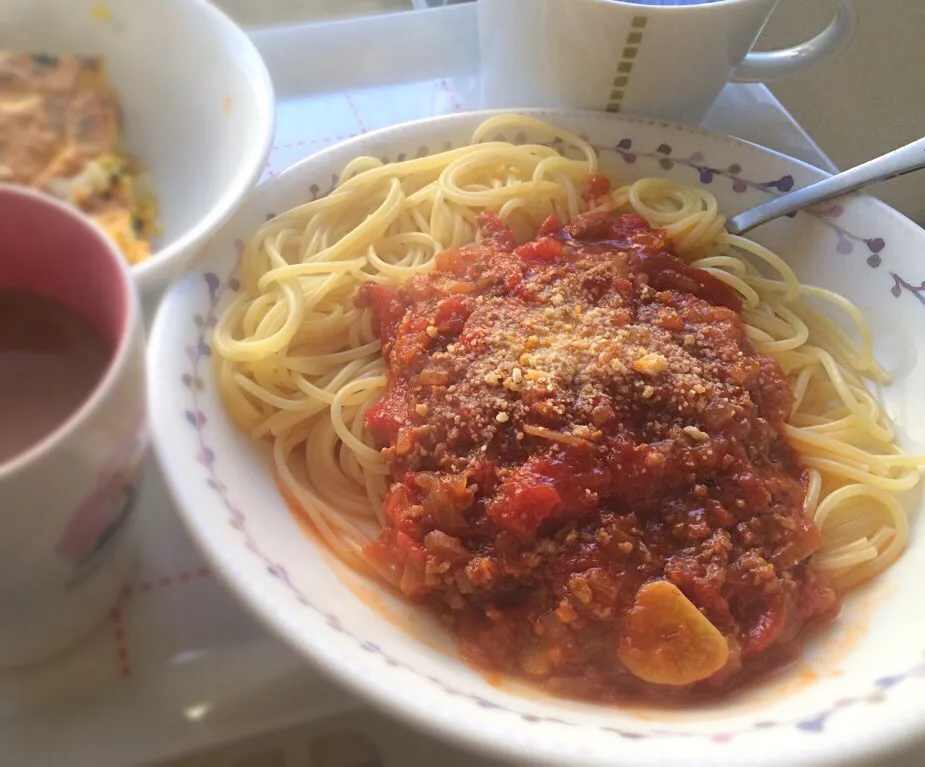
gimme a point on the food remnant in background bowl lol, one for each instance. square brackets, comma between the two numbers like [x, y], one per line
[60, 132]
[101, 12]
[609, 444]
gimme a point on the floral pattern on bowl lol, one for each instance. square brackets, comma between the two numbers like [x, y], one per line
[367, 660]
[200, 352]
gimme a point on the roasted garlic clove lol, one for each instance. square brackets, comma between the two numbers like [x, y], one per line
[667, 640]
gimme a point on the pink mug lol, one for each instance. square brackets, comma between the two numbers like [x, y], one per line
[66, 523]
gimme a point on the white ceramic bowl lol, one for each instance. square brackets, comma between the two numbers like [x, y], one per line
[197, 99]
[858, 691]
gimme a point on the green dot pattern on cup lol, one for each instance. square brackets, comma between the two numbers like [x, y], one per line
[625, 67]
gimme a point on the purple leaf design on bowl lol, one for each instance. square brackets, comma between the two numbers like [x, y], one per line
[815, 724]
[886, 682]
[206, 457]
[212, 281]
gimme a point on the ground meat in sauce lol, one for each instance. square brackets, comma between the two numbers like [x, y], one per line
[570, 419]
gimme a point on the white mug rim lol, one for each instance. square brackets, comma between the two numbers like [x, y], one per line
[118, 359]
[676, 8]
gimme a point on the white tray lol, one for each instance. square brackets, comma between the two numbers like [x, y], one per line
[180, 671]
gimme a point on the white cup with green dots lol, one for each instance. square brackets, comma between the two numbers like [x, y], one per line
[667, 59]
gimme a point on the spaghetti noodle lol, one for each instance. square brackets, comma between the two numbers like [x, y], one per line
[300, 362]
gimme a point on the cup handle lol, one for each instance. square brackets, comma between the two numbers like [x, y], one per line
[766, 65]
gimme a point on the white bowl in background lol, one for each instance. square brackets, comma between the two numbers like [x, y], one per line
[859, 689]
[196, 96]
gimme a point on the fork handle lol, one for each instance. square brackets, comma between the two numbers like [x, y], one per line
[896, 163]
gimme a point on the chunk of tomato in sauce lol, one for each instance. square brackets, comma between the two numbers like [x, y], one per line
[522, 504]
[495, 233]
[375, 296]
[668, 272]
[466, 262]
[550, 226]
[619, 231]
[768, 623]
[387, 307]
[386, 417]
[544, 249]
[558, 485]
[596, 186]
[452, 313]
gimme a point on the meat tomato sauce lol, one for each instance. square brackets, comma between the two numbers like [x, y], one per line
[569, 420]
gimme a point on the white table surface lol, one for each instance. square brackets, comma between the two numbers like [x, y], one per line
[181, 672]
